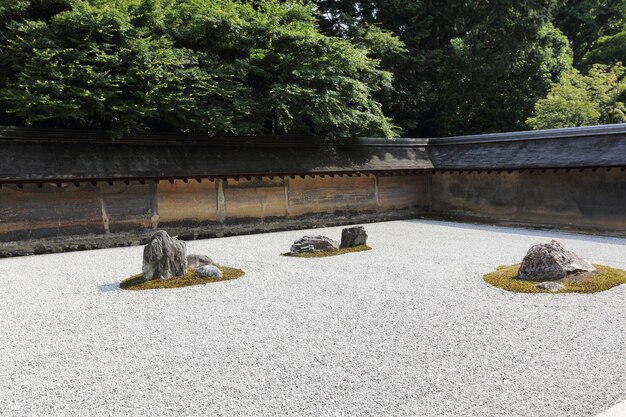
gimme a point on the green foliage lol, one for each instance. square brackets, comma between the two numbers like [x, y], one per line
[219, 67]
[608, 50]
[568, 104]
[583, 100]
[468, 66]
[491, 89]
[607, 86]
[311, 67]
[585, 21]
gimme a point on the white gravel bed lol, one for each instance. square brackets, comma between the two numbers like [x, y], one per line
[406, 329]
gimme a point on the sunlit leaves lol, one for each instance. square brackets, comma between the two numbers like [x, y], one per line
[583, 100]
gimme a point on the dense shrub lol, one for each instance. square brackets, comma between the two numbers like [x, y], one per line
[217, 66]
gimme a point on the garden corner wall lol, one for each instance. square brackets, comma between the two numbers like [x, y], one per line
[591, 200]
[68, 190]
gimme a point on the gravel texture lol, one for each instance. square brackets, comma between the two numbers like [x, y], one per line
[618, 410]
[406, 329]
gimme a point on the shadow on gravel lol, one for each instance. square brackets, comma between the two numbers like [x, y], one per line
[109, 287]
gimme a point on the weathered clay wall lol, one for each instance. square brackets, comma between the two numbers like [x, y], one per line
[67, 190]
[109, 214]
[31, 212]
[205, 208]
[590, 200]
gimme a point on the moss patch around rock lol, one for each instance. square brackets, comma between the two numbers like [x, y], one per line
[136, 282]
[602, 279]
[324, 253]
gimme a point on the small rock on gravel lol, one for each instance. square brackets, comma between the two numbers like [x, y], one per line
[211, 271]
[550, 286]
[551, 262]
[194, 261]
[314, 244]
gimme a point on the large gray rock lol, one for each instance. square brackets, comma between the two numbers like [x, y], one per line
[194, 261]
[164, 257]
[550, 262]
[353, 236]
[314, 244]
[210, 271]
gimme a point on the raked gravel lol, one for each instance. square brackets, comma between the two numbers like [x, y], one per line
[407, 329]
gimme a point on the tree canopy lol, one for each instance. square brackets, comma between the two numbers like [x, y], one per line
[311, 67]
[584, 22]
[220, 67]
[582, 100]
[468, 67]
[608, 50]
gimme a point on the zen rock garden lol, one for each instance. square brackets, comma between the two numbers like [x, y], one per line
[410, 314]
[547, 267]
[166, 264]
[353, 239]
[550, 267]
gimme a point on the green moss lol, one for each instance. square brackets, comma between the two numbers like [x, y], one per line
[605, 277]
[324, 253]
[137, 282]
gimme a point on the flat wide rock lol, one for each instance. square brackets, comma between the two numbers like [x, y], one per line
[314, 244]
[164, 257]
[551, 262]
[353, 236]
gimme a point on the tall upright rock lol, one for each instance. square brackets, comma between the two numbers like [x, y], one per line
[353, 236]
[164, 257]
